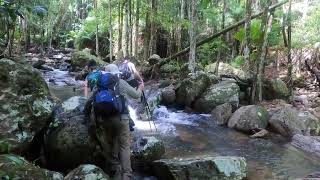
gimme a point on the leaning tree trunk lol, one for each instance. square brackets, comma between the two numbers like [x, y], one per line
[192, 34]
[137, 29]
[289, 75]
[110, 31]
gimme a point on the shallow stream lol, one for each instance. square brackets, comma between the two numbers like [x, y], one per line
[190, 135]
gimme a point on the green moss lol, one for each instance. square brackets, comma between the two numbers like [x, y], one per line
[262, 114]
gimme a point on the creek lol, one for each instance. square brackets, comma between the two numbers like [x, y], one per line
[193, 135]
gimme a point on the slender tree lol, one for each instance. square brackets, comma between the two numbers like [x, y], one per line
[110, 30]
[289, 75]
[127, 30]
[153, 32]
[120, 23]
[179, 29]
[247, 45]
[192, 34]
[137, 28]
[97, 27]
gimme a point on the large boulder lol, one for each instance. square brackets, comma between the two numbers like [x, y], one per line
[191, 88]
[211, 168]
[154, 59]
[25, 105]
[309, 144]
[288, 121]
[249, 118]
[217, 94]
[276, 89]
[80, 59]
[16, 167]
[168, 95]
[222, 113]
[67, 142]
[87, 172]
[145, 150]
[227, 69]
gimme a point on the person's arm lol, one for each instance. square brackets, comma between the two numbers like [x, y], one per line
[129, 91]
[85, 88]
[136, 73]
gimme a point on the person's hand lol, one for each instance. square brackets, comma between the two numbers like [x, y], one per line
[141, 87]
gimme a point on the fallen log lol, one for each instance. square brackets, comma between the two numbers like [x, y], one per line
[223, 31]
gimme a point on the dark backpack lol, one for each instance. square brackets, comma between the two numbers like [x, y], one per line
[108, 101]
[125, 70]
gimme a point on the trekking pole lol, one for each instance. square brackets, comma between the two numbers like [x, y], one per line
[148, 110]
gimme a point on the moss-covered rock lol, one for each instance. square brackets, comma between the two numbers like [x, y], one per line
[276, 89]
[25, 105]
[154, 59]
[210, 168]
[87, 172]
[191, 88]
[16, 167]
[217, 94]
[222, 113]
[249, 118]
[146, 150]
[288, 121]
[80, 59]
[227, 69]
[67, 142]
[168, 95]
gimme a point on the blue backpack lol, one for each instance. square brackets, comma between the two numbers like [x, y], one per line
[108, 100]
[93, 78]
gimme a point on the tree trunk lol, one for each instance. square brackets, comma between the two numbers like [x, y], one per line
[120, 23]
[126, 45]
[97, 28]
[137, 29]
[152, 43]
[146, 38]
[130, 27]
[110, 31]
[247, 25]
[180, 26]
[289, 75]
[192, 34]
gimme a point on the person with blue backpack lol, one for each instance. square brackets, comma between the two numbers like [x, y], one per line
[112, 119]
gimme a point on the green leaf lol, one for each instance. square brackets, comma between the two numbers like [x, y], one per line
[240, 35]
[16, 160]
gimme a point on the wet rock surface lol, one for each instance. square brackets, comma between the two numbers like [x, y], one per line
[16, 167]
[26, 105]
[249, 118]
[222, 113]
[309, 144]
[211, 168]
[87, 172]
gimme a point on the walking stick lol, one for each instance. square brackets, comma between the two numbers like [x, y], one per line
[148, 111]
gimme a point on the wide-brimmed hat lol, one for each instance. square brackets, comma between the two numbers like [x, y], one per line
[112, 68]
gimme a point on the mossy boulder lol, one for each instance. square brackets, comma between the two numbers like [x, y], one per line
[67, 141]
[217, 94]
[168, 95]
[25, 106]
[191, 88]
[154, 59]
[210, 168]
[80, 59]
[288, 121]
[16, 167]
[222, 113]
[87, 172]
[227, 69]
[276, 89]
[145, 150]
[249, 118]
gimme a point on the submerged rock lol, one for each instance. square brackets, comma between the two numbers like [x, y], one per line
[309, 144]
[87, 172]
[211, 168]
[222, 113]
[25, 105]
[146, 150]
[16, 167]
[217, 94]
[288, 121]
[249, 118]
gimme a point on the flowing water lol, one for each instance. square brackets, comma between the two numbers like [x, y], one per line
[193, 135]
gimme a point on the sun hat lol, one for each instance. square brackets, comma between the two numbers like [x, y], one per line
[112, 68]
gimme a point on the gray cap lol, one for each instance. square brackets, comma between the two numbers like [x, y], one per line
[113, 69]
